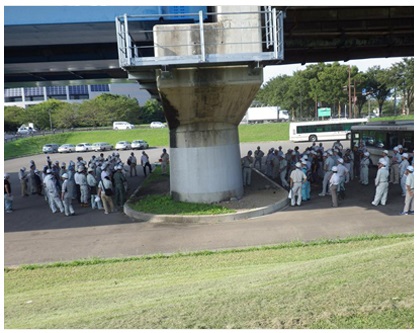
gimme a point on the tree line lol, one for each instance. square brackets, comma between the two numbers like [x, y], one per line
[101, 111]
[330, 85]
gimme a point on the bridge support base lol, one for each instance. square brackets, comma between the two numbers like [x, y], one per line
[204, 107]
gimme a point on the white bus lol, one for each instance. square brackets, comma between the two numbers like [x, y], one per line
[379, 136]
[320, 130]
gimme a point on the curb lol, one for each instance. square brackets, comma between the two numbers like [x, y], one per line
[247, 214]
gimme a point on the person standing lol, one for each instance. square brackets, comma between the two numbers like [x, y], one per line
[306, 185]
[145, 163]
[381, 183]
[258, 155]
[283, 170]
[164, 159]
[66, 196]
[92, 184]
[402, 171]
[394, 166]
[364, 168]
[132, 162]
[119, 181]
[409, 197]
[106, 184]
[334, 182]
[328, 164]
[8, 197]
[297, 177]
[84, 188]
[385, 154]
[247, 163]
[33, 187]
[54, 199]
[23, 177]
[269, 163]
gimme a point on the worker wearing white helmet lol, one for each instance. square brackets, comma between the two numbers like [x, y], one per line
[334, 183]
[297, 177]
[402, 172]
[394, 166]
[23, 177]
[343, 172]
[84, 188]
[66, 196]
[51, 191]
[385, 156]
[381, 183]
[364, 168]
[409, 198]
[327, 166]
[95, 201]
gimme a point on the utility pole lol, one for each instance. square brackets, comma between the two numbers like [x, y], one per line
[349, 91]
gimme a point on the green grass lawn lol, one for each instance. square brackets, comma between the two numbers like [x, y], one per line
[365, 282]
[155, 137]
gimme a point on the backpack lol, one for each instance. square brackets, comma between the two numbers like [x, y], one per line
[128, 161]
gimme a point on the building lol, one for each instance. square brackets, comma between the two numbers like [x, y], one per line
[24, 97]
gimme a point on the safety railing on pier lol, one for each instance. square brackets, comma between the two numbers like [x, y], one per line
[137, 47]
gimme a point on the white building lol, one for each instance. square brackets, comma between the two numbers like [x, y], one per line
[23, 97]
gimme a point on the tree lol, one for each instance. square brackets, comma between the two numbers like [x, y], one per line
[67, 116]
[107, 108]
[401, 78]
[14, 117]
[43, 114]
[376, 79]
[151, 111]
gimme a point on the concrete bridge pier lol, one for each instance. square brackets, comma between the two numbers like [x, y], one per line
[204, 107]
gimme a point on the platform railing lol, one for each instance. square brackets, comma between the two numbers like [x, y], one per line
[134, 52]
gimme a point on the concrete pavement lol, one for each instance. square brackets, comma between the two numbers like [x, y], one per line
[34, 235]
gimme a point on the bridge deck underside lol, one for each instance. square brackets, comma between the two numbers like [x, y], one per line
[311, 34]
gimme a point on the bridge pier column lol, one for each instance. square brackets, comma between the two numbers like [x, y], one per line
[204, 107]
[205, 104]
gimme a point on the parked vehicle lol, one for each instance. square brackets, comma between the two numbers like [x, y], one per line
[123, 145]
[50, 148]
[139, 144]
[265, 114]
[66, 148]
[83, 147]
[122, 125]
[26, 129]
[157, 124]
[101, 146]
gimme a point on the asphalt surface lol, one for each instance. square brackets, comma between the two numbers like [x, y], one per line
[32, 234]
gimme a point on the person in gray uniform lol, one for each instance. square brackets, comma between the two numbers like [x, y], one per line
[381, 183]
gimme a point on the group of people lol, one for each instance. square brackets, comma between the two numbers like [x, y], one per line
[332, 169]
[99, 183]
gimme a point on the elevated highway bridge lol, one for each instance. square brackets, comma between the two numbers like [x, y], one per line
[71, 45]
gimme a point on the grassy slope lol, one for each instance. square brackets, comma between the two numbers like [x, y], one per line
[362, 283]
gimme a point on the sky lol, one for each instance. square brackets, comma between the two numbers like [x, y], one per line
[270, 72]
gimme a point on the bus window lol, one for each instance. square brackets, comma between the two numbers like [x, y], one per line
[393, 139]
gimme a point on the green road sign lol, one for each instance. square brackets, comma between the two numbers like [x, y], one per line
[324, 112]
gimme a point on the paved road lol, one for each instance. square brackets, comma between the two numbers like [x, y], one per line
[34, 235]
